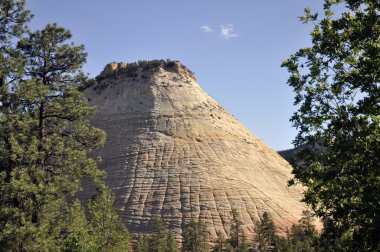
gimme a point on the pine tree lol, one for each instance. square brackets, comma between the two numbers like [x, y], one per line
[195, 237]
[283, 244]
[302, 237]
[79, 238]
[237, 239]
[243, 245]
[142, 243]
[158, 240]
[161, 239]
[108, 232]
[13, 25]
[221, 243]
[172, 245]
[265, 232]
[45, 139]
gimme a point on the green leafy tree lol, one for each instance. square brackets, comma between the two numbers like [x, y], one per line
[195, 237]
[265, 232]
[336, 82]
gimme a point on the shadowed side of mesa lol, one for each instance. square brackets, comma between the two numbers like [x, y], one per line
[172, 151]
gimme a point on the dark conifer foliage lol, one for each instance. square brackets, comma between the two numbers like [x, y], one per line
[160, 240]
[265, 232]
[46, 139]
[195, 237]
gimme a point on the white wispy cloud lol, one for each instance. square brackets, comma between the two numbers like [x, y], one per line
[227, 31]
[206, 29]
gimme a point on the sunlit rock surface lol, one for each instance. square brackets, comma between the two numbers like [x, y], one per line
[172, 151]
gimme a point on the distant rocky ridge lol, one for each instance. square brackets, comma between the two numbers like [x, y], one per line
[293, 155]
[289, 154]
[174, 152]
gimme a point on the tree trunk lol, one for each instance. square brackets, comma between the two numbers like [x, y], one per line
[5, 110]
[41, 127]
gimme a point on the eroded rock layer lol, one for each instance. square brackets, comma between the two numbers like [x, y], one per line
[172, 151]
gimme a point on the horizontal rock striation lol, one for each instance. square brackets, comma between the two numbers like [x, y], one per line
[172, 151]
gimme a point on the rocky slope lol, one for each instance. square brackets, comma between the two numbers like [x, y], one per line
[172, 151]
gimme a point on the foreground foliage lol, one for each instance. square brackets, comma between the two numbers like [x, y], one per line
[336, 82]
[45, 139]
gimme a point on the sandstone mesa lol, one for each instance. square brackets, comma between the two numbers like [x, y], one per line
[172, 151]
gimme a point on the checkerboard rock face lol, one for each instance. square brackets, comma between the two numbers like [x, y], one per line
[172, 151]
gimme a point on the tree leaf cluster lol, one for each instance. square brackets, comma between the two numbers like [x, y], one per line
[337, 91]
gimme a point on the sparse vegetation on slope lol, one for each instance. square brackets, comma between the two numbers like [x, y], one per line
[114, 69]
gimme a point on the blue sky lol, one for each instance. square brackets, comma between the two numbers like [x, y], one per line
[235, 47]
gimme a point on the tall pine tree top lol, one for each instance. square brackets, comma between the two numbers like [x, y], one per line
[45, 141]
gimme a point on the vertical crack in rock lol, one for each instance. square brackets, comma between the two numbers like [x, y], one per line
[174, 152]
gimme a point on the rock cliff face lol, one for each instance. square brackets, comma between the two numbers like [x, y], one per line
[172, 151]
